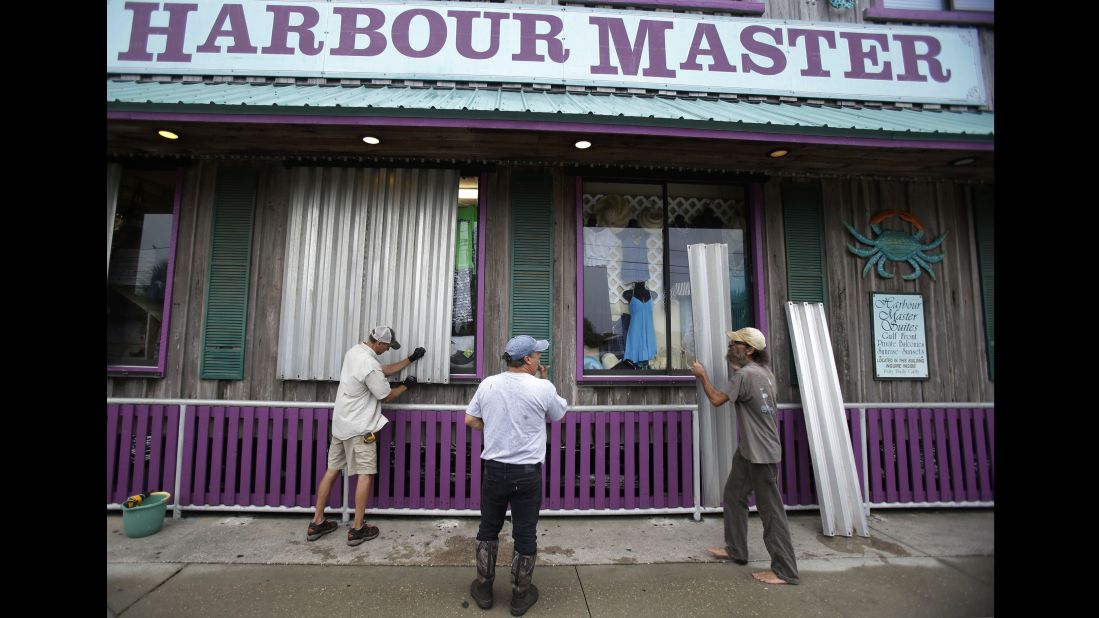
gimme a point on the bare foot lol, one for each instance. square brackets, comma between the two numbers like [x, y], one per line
[722, 554]
[718, 552]
[768, 577]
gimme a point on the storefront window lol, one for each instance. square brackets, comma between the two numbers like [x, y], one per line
[980, 12]
[138, 275]
[367, 246]
[463, 335]
[636, 284]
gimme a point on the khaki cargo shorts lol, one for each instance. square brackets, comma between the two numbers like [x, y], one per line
[363, 456]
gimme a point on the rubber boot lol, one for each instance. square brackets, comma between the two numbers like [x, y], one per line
[481, 588]
[524, 594]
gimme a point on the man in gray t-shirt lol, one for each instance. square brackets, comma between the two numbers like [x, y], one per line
[755, 462]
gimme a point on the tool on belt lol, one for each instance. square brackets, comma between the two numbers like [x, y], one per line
[370, 437]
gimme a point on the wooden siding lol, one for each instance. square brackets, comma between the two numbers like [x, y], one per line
[955, 340]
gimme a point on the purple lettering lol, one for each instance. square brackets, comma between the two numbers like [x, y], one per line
[436, 33]
[912, 59]
[464, 38]
[529, 37]
[142, 29]
[629, 55]
[713, 49]
[747, 40]
[281, 29]
[859, 56]
[238, 30]
[350, 30]
[812, 49]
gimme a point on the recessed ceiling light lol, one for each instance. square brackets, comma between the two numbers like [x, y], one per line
[583, 144]
[964, 161]
[778, 152]
[167, 134]
[371, 140]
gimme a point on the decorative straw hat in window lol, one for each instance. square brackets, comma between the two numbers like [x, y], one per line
[612, 211]
[651, 218]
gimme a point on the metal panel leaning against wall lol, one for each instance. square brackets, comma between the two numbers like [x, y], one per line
[712, 309]
[362, 249]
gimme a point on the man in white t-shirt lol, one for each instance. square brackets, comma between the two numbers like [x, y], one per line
[356, 420]
[512, 408]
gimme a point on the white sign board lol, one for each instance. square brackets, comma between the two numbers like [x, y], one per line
[483, 42]
[900, 340]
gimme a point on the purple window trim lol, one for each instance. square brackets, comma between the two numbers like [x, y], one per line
[738, 7]
[122, 371]
[755, 192]
[597, 379]
[874, 12]
[560, 127]
[482, 202]
[579, 278]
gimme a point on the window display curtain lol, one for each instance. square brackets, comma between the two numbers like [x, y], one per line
[361, 251]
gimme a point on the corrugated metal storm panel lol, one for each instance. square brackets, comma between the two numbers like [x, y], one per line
[323, 273]
[226, 317]
[363, 249]
[834, 469]
[409, 281]
[559, 106]
[712, 315]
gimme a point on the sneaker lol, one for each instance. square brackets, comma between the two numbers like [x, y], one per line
[316, 531]
[356, 536]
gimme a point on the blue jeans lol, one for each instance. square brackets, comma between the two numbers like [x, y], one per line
[519, 485]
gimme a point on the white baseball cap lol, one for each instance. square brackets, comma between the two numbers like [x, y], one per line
[385, 334]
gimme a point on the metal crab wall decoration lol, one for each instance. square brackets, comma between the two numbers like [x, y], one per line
[896, 246]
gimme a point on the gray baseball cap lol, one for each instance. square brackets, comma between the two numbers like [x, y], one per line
[518, 347]
[385, 334]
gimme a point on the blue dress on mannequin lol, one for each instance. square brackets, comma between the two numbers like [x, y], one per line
[640, 339]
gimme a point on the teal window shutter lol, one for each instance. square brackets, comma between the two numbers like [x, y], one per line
[230, 265]
[803, 224]
[984, 217]
[532, 258]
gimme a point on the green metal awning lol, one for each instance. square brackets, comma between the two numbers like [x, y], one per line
[287, 100]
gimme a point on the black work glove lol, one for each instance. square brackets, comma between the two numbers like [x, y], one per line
[409, 382]
[416, 355]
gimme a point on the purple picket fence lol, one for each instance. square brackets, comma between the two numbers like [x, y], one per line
[936, 455]
[141, 449]
[795, 476]
[254, 456]
[620, 460]
[429, 459]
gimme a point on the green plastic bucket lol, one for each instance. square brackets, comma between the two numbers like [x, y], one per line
[145, 519]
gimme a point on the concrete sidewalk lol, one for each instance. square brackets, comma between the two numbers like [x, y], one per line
[915, 563]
